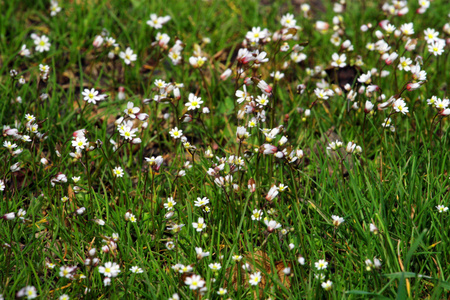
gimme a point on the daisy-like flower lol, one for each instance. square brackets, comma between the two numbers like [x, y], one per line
[436, 48]
[277, 75]
[128, 132]
[236, 257]
[44, 68]
[222, 292]
[170, 245]
[80, 143]
[176, 227]
[337, 220]
[29, 291]
[432, 100]
[170, 204]
[365, 78]
[321, 264]
[271, 225]
[400, 106]
[197, 61]
[30, 118]
[8, 145]
[176, 133]
[110, 269]
[54, 8]
[50, 265]
[407, 29]
[327, 285]
[42, 43]
[334, 145]
[215, 266]
[136, 270]
[257, 214]
[321, 94]
[255, 278]
[387, 122]
[131, 110]
[338, 60]
[441, 208]
[194, 102]
[201, 202]
[24, 51]
[66, 271]
[199, 225]
[64, 297]
[194, 282]
[431, 35]
[91, 96]
[174, 297]
[405, 64]
[243, 95]
[118, 172]
[282, 187]
[441, 104]
[128, 56]
[255, 34]
[262, 100]
[157, 22]
[288, 21]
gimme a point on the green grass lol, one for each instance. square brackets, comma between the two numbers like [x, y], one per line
[395, 183]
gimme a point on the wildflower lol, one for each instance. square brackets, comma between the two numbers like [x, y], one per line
[194, 282]
[365, 78]
[265, 88]
[194, 102]
[271, 225]
[197, 62]
[282, 187]
[277, 75]
[404, 64]
[9, 216]
[441, 208]
[175, 133]
[337, 220]
[24, 51]
[321, 94]
[201, 202]
[436, 48]
[431, 35]
[64, 297]
[328, 285]
[131, 110]
[215, 266]
[174, 297]
[66, 271]
[236, 257]
[200, 253]
[227, 73]
[199, 225]
[29, 291]
[350, 147]
[257, 215]
[338, 60]
[373, 228]
[273, 192]
[110, 269]
[8, 145]
[42, 43]
[222, 291]
[400, 106]
[128, 56]
[80, 143]
[170, 204]
[50, 265]
[256, 34]
[407, 29]
[255, 278]
[118, 172]
[157, 22]
[92, 96]
[136, 270]
[321, 264]
[170, 245]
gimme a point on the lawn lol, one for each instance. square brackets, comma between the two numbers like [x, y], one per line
[224, 149]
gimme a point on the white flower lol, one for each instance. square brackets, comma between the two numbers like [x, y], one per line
[199, 225]
[201, 202]
[194, 102]
[215, 266]
[442, 208]
[131, 110]
[255, 278]
[321, 264]
[339, 60]
[118, 172]
[55, 9]
[407, 28]
[128, 56]
[176, 133]
[92, 96]
[400, 106]
[29, 291]
[200, 253]
[170, 204]
[136, 270]
[272, 225]
[157, 22]
[194, 282]
[257, 215]
[327, 285]
[110, 269]
[337, 220]
[42, 43]
[288, 21]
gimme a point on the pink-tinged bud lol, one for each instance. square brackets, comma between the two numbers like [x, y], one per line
[105, 249]
[413, 86]
[322, 26]
[176, 93]
[205, 110]
[142, 116]
[220, 181]
[368, 107]
[268, 149]
[136, 141]
[227, 73]
[445, 112]
[252, 185]
[248, 81]
[121, 94]
[383, 24]
[9, 216]
[98, 41]
[379, 34]
[421, 10]
[393, 56]
[273, 192]
[79, 133]
[186, 118]
[265, 88]
[92, 252]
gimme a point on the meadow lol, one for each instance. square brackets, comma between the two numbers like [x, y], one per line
[247, 149]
